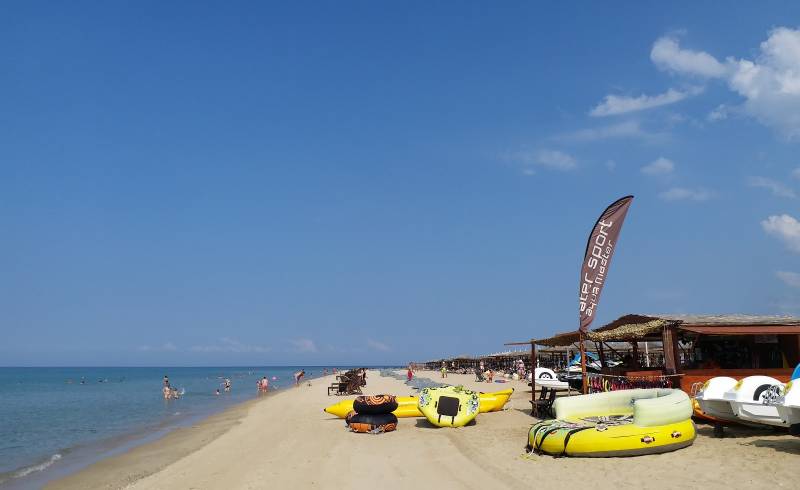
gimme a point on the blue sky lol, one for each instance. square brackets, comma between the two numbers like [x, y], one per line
[201, 184]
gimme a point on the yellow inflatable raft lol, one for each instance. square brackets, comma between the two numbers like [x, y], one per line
[617, 423]
[407, 405]
[449, 406]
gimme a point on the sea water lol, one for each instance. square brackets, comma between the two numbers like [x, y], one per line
[54, 418]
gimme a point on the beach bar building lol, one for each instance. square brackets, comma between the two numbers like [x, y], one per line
[690, 349]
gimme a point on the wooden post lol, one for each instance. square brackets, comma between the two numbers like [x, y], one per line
[602, 354]
[635, 346]
[533, 378]
[584, 377]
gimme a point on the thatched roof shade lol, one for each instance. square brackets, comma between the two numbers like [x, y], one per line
[631, 328]
[628, 327]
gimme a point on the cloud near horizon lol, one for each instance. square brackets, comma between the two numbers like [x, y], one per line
[380, 346]
[227, 344]
[304, 345]
[769, 84]
[165, 347]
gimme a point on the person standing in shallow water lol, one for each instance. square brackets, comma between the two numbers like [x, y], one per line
[298, 376]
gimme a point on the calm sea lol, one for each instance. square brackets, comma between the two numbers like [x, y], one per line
[56, 420]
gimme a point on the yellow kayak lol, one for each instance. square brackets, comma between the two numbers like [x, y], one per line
[407, 405]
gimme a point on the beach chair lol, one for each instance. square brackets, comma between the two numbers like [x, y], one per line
[544, 405]
[337, 387]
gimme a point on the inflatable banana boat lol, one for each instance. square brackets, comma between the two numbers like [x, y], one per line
[407, 405]
[449, 406]
[616, 423]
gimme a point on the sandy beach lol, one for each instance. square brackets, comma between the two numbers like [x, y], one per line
[287, 441]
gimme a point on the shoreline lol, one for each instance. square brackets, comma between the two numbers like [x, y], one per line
[67, 461]
[290, 442]
[149, 457]
[149, 453]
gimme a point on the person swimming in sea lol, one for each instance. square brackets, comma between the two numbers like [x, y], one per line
[227, 384]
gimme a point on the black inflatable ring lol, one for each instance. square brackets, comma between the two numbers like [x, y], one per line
[366, 422]
[375, 404]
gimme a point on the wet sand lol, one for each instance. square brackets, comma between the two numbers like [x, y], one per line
[287, 441]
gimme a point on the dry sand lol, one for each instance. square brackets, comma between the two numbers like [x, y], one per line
[287, 441]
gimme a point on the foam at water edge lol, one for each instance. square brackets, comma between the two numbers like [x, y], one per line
[37, 467]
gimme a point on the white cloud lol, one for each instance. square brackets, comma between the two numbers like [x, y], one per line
[789, 278]
[786, 228]
[776, 188]
[303, 345]
[718, 114]
[165, 347]
[227, 344]
[668, 55]
[684, 194]
[626, 129]
[620, 104]
[769, 84]
[374, 344]
[554, 159]
[659, 167]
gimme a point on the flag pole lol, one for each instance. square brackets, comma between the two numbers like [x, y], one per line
[584, 377]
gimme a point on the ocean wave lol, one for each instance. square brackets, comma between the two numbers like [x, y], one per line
[37, 467]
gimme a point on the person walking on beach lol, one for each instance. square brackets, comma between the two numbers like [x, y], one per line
[298, 376]
[444, 369]
[410, 373]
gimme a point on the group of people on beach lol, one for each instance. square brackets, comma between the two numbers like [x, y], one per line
[262, 385]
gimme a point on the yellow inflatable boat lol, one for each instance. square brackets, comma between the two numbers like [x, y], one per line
[407, 405]
[449, 406]
[616, 423]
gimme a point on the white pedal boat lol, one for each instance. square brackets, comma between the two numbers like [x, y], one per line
[552, 383]
[747, 399]
[788, 406]
[712, 401]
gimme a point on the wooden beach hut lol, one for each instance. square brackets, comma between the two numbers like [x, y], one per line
[692, 348]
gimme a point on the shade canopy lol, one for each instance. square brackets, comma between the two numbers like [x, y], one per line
[631, 328]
